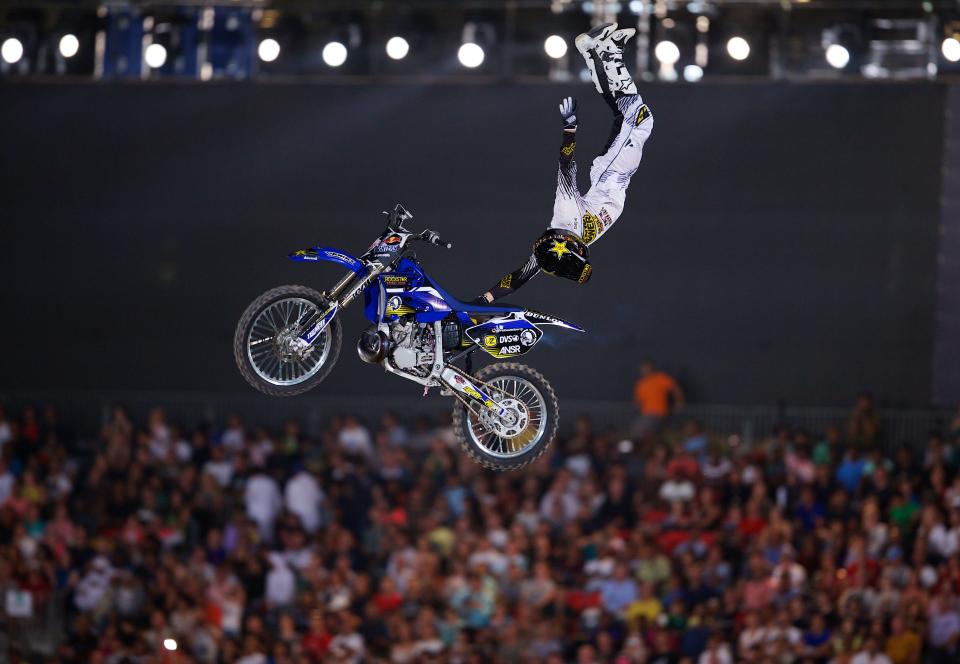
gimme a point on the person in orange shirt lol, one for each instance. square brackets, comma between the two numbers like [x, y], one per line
[657, 395]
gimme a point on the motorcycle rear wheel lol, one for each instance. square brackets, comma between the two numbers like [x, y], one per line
[534, 398]
[262, 343]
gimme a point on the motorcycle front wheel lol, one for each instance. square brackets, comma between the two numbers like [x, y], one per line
[527, 428]
[267, 347]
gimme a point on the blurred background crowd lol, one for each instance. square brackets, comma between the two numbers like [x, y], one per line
[379, 541]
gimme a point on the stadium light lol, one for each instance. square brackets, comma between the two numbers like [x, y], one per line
[738, 48]
[667, 52]
[397, 48]
[692, 73]
[155, 55]
[11, 51]
[268, 50]
[334, 54]
[555, 46]
[951, 49]
[470, 55]
[837, 56]
[69, 45]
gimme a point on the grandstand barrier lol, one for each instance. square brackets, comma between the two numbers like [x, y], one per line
[88, 411]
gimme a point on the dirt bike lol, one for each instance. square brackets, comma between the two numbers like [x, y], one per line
[506, 414]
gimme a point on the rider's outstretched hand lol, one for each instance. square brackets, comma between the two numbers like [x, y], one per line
[568, 111]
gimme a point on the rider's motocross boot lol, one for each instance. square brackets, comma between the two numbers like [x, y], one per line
[602, 48]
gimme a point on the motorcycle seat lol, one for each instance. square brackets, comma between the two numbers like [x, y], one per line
[470, 307]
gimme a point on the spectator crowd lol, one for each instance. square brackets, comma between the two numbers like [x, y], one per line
[379, 541]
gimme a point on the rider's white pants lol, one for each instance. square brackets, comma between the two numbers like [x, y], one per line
[590, 215]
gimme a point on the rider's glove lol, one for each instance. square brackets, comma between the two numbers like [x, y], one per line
[568, 111]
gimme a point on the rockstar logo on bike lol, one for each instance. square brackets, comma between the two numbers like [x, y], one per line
[559, 248]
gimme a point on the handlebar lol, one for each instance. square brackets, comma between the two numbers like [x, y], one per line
[399, 215]
[434, 238]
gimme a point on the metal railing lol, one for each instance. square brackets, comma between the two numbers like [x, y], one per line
[38, 633]
[88, 411]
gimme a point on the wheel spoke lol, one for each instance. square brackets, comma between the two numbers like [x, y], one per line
[509, 438]
[270, 338]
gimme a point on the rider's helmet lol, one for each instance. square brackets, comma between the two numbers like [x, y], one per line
[563, 254]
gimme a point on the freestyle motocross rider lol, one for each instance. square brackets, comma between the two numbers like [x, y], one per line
[578, 220]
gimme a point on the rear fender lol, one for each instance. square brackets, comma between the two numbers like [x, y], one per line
[315, 254]
[513, 334]
[541, 318]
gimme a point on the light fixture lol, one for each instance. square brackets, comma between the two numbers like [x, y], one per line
[268, 50]
[692, 73]
[69, 45]
[951, 49]
[837, 56]
[555, 46]
[334, 54]
[397, 48]
[11, 51]
[155, 55]
[470, 55]
[738, 48]
[667, 52]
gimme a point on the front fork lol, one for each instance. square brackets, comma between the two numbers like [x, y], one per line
[342, 294]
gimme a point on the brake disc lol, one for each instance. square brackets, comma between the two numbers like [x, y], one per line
[511, 423]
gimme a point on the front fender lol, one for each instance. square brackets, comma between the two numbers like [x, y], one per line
[314, 254]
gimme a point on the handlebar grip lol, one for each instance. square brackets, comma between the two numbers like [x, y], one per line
[433, 238]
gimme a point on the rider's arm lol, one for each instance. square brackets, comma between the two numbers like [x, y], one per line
[513, 280]
[520, 276]
[568, 111]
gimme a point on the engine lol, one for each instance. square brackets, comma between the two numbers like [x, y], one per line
[409, 345]
[412, 347]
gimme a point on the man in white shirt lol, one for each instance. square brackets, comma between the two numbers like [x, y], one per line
[789, 566]
[560, 505]
[717, 652]
[6, 431]
[946, 540]
[347, 645]
[233, 436]
[94, 585]
[304, 497]
[782, 635]
[677, 489]
[871, 654]
[219, 466]
[281, 586]
[262, 498]
[7, 482]
[354, 438]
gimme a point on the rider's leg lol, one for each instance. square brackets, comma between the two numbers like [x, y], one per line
[602, 49]
[610, 173]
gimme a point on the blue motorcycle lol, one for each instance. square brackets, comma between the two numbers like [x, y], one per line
[505, 415]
